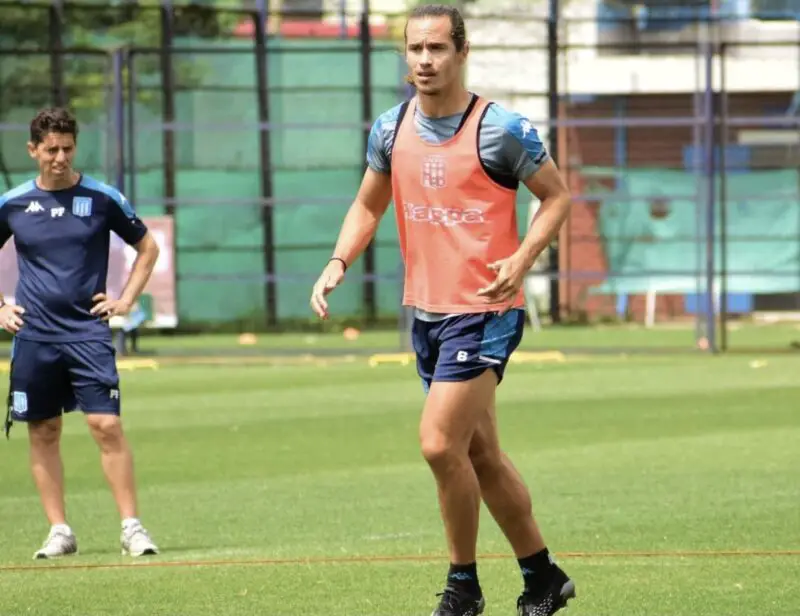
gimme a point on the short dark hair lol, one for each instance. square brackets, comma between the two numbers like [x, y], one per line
[458, 30]
[53, 120]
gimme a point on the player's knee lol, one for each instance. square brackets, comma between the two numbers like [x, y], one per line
[45, 433]
[438, 449]
[107, 431]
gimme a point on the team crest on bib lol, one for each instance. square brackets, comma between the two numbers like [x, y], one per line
[82, 206]
[434, 172]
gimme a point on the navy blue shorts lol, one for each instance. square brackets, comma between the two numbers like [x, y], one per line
[48, 378]
[462, 347]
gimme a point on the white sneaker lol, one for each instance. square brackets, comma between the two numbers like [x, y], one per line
[136, 542]
[60, 542]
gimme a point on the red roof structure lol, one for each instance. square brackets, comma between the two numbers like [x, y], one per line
[312, 29]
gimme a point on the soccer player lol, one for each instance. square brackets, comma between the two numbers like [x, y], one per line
[62, 357]
[452, 162]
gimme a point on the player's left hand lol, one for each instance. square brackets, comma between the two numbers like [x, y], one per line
[106, 307]
[510, 276]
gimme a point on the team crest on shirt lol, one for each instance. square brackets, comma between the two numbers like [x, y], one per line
[82, 206]
[434, 172]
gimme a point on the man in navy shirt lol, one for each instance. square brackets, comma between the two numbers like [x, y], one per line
[62, 356]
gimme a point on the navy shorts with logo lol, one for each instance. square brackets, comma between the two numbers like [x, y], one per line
[50, 377]
[461, 347]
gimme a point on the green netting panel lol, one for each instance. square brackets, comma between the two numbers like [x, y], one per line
[219, 242]
[320, 169]
[316, 168]
[763, 233]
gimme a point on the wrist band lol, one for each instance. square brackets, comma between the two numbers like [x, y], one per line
[339, 259]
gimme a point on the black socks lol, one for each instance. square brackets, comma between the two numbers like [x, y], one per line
[537, 571]
[464, 578]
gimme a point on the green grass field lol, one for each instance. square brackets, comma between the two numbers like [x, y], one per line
[741, 336]
[746, 336]
[666, 485]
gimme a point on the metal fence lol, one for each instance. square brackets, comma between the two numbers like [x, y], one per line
[683, 151]
[679, 136]
[248, 129]
[679, 143]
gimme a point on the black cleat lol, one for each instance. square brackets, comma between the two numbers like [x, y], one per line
[455, 603]
[546, 603]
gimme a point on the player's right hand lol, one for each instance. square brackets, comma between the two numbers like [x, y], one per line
[11, 317]
[331, 276]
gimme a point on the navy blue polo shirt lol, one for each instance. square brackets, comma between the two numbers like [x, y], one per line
[62, 240]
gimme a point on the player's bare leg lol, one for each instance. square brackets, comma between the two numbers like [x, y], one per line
[47, 468]
[117, 461]
[547, 587]
[502, 488]
[48, 474]
[451, 414]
